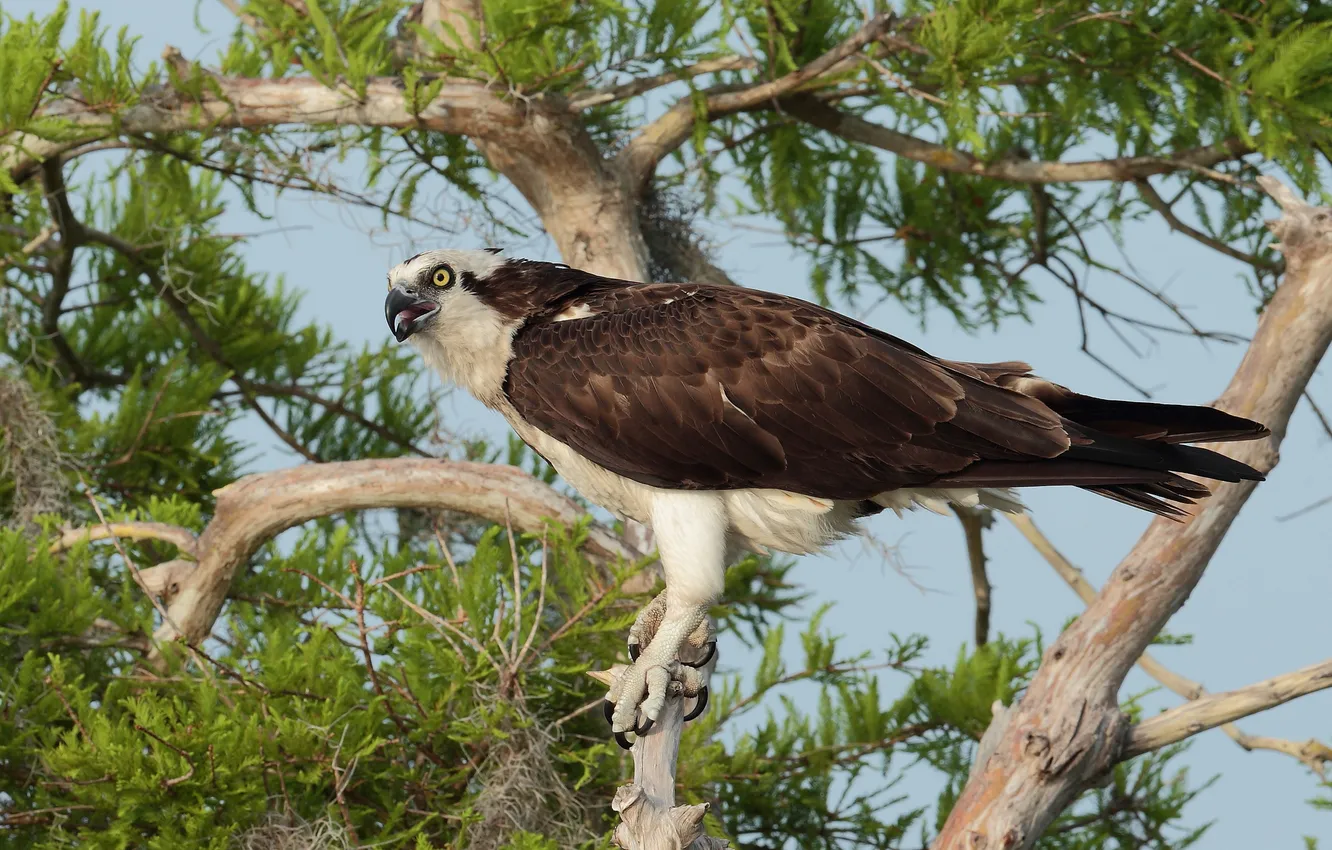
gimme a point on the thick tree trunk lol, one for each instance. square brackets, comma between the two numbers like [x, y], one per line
[1068, 730]
[583, 205]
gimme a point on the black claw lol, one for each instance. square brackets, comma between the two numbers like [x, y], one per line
[640, 731]
[700, 706]
[712, 650]
[634, 651]
[623, 741]
[608, 709]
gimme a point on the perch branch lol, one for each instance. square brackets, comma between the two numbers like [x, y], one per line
[1068, 730]
[1314, 754]
[649, 817]
[1213, 710]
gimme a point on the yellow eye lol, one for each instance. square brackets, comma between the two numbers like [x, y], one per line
[442, 277]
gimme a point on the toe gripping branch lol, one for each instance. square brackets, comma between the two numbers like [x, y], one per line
[658, 673]
[683, 685]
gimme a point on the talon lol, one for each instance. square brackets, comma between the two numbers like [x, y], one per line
[640, 731]
[700, 706]
[635, 650]
[623, 741]
[608, 709]
[712, 650]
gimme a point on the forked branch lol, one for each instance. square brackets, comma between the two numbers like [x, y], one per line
[1213, 710]
[1313, 754]
[654, 142]
[1067, 731]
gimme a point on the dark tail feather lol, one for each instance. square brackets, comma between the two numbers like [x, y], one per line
[1164, 423]
[1127, 451]
[1160, 457]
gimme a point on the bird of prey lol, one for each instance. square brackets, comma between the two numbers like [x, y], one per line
[728, 418]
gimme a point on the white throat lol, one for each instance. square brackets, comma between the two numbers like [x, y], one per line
[470, 346]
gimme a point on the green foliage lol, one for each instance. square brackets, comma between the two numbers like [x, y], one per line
[362, 680]
[407, 697]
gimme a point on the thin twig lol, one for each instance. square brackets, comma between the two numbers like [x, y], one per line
[974, 521]
[1156, 202]
[175, 780]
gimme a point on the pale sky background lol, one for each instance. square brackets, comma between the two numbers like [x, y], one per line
[1262, 608]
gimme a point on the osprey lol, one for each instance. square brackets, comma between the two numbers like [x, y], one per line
[729, 418]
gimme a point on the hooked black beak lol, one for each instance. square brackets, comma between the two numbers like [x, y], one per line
[406, 313]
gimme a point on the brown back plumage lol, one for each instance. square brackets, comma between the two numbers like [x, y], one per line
[694, 387]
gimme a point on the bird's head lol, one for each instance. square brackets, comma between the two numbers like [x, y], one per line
[436, 289]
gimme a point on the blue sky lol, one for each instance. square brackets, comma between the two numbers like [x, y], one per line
[1260, 610]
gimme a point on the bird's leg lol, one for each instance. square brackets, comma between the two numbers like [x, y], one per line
[691, 536]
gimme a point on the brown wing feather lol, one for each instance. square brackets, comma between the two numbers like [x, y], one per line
[696, 387]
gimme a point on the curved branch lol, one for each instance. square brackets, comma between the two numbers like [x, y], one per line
[1213, 710]
[182, 538]
[1068, 730]
[1156, 202]
[254, 509]
[855, 129]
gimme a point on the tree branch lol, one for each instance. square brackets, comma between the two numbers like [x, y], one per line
[649, 817]
[1067, 731]
[855, 129]
[1314, 754]
[974, 522]
[1156, 202]
[462, 107]
[254, 509]
[655, 141]
[182, 538]
[642, 85]
[1213, 710]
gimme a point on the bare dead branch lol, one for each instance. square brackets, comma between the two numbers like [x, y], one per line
[1313, 753]
[253, 509]
[1068, 730]
[855, 129]
[1212, 710]
[973, 528]
[182, 538]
